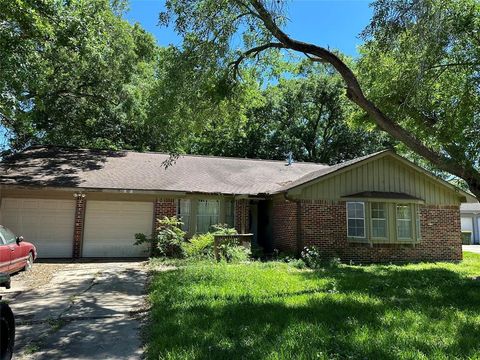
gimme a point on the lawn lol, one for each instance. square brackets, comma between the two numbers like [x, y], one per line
[275, 311]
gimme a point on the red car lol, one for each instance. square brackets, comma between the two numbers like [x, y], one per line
[15, 254]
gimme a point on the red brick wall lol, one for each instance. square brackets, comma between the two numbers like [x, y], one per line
[324, 225]
[162, 208]
[284, 226]
[78, 225]
[241, 216]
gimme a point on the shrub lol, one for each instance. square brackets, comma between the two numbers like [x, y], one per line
[298, 263]
[230, 251]
[314, 259]
[167, 239]
[223, 229]
[200, 245]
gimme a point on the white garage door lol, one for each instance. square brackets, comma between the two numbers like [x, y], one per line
[110, 228]
[48, 224]
[467, 225]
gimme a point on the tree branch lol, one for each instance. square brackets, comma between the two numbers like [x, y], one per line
[355, 94]
[254, 51]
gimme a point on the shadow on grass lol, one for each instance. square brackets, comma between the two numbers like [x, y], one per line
[381, 314]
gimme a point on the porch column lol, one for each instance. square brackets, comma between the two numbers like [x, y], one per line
[241, 215]
[80, 203]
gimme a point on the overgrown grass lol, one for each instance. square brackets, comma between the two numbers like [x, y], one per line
[275, 311]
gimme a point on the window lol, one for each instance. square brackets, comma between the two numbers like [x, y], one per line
[230, 213]
[8, 236]
[207, 214]
[183, 213]
[404, 222]
[356, 219]
[379, 220]
[417, 224]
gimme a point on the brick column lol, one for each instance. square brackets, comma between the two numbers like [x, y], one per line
[162, 208]
[79, 224]
[241, 215]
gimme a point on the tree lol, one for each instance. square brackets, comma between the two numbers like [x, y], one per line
[398, 28]
[306, 115]
[73, 73]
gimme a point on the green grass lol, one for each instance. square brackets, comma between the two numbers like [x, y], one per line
[275, 311]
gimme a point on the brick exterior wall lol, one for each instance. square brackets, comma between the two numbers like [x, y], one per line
[162, 208]
[324, 225]
[284, 226]
[241, 215]
[78, 226]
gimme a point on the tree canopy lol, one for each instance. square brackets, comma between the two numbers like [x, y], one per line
[417, 79]
[76, 73]
[73, 73]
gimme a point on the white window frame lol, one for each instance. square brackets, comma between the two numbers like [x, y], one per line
[398, 221]
[364, 223]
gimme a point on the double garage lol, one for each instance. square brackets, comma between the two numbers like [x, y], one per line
[109, 226]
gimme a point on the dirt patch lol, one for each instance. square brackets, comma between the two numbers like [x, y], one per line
[39, 275]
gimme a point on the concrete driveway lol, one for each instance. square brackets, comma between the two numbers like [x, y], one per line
[471, 248]
[79, 311]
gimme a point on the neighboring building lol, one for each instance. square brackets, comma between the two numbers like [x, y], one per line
[89, 203]
[470, 221]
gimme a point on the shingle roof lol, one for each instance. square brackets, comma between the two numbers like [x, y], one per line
[128, 170]
[383, 195]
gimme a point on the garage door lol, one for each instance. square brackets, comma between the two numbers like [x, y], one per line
[46, 223]
[110, 228]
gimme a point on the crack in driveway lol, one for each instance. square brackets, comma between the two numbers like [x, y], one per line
[86, 311]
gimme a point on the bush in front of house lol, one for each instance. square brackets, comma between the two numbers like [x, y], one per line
[201, 246]
[167, 240]
[313, 258]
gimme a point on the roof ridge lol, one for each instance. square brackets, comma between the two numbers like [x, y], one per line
[167, 154]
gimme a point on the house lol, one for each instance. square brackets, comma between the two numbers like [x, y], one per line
[90, 203]
[470, 222]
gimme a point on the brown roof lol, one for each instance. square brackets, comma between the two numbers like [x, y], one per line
[128, 170]
[383, 195]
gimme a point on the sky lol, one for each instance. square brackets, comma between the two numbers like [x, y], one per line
[329, 23]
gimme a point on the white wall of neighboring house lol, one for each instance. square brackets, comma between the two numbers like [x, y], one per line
[470, 220]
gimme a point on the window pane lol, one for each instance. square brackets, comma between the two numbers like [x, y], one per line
[404, 229]
[379, 220]
[404, 222]
[230, 213]
[356, 219]
[207, 215]
[183, 213]
[378, 211]
[379, 228]
[403, 212]
[8, 236]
